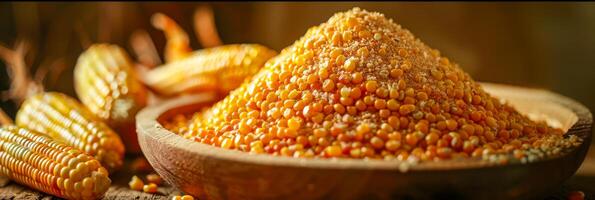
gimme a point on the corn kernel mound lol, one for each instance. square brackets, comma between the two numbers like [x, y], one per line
[360, 86]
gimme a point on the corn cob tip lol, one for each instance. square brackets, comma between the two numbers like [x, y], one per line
[124, 109]
[102, 182]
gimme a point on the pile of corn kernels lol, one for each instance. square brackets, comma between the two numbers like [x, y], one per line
[361, 86]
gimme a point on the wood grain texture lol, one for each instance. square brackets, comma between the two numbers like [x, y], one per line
[208, 172]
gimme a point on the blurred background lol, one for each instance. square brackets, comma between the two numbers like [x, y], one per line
[545, 45]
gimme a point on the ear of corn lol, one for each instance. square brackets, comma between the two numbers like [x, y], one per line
[68, 121]
[219, 69]
[35, 160]
[105, 83]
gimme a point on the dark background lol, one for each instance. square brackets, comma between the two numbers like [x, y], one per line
[546, 45]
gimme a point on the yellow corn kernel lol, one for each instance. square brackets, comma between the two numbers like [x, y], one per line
[136, 183]
[185, 197]
[154, 178]
[150, 188]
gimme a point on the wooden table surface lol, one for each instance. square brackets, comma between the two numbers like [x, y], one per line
[583, 180]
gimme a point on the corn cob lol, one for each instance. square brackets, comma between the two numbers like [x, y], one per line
[68, 121]
[219, 69]
[105, 83]
[35, 160]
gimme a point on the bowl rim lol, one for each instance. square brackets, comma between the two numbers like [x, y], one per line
[149, 126]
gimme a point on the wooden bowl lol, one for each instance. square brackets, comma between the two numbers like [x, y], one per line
[209, 172]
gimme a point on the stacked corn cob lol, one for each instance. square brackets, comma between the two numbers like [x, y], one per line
[68, 121]
[35, 160]
[39, 160]
[105, 82]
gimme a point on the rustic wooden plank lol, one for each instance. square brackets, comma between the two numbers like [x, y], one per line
[123, 192]
[15, 191]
